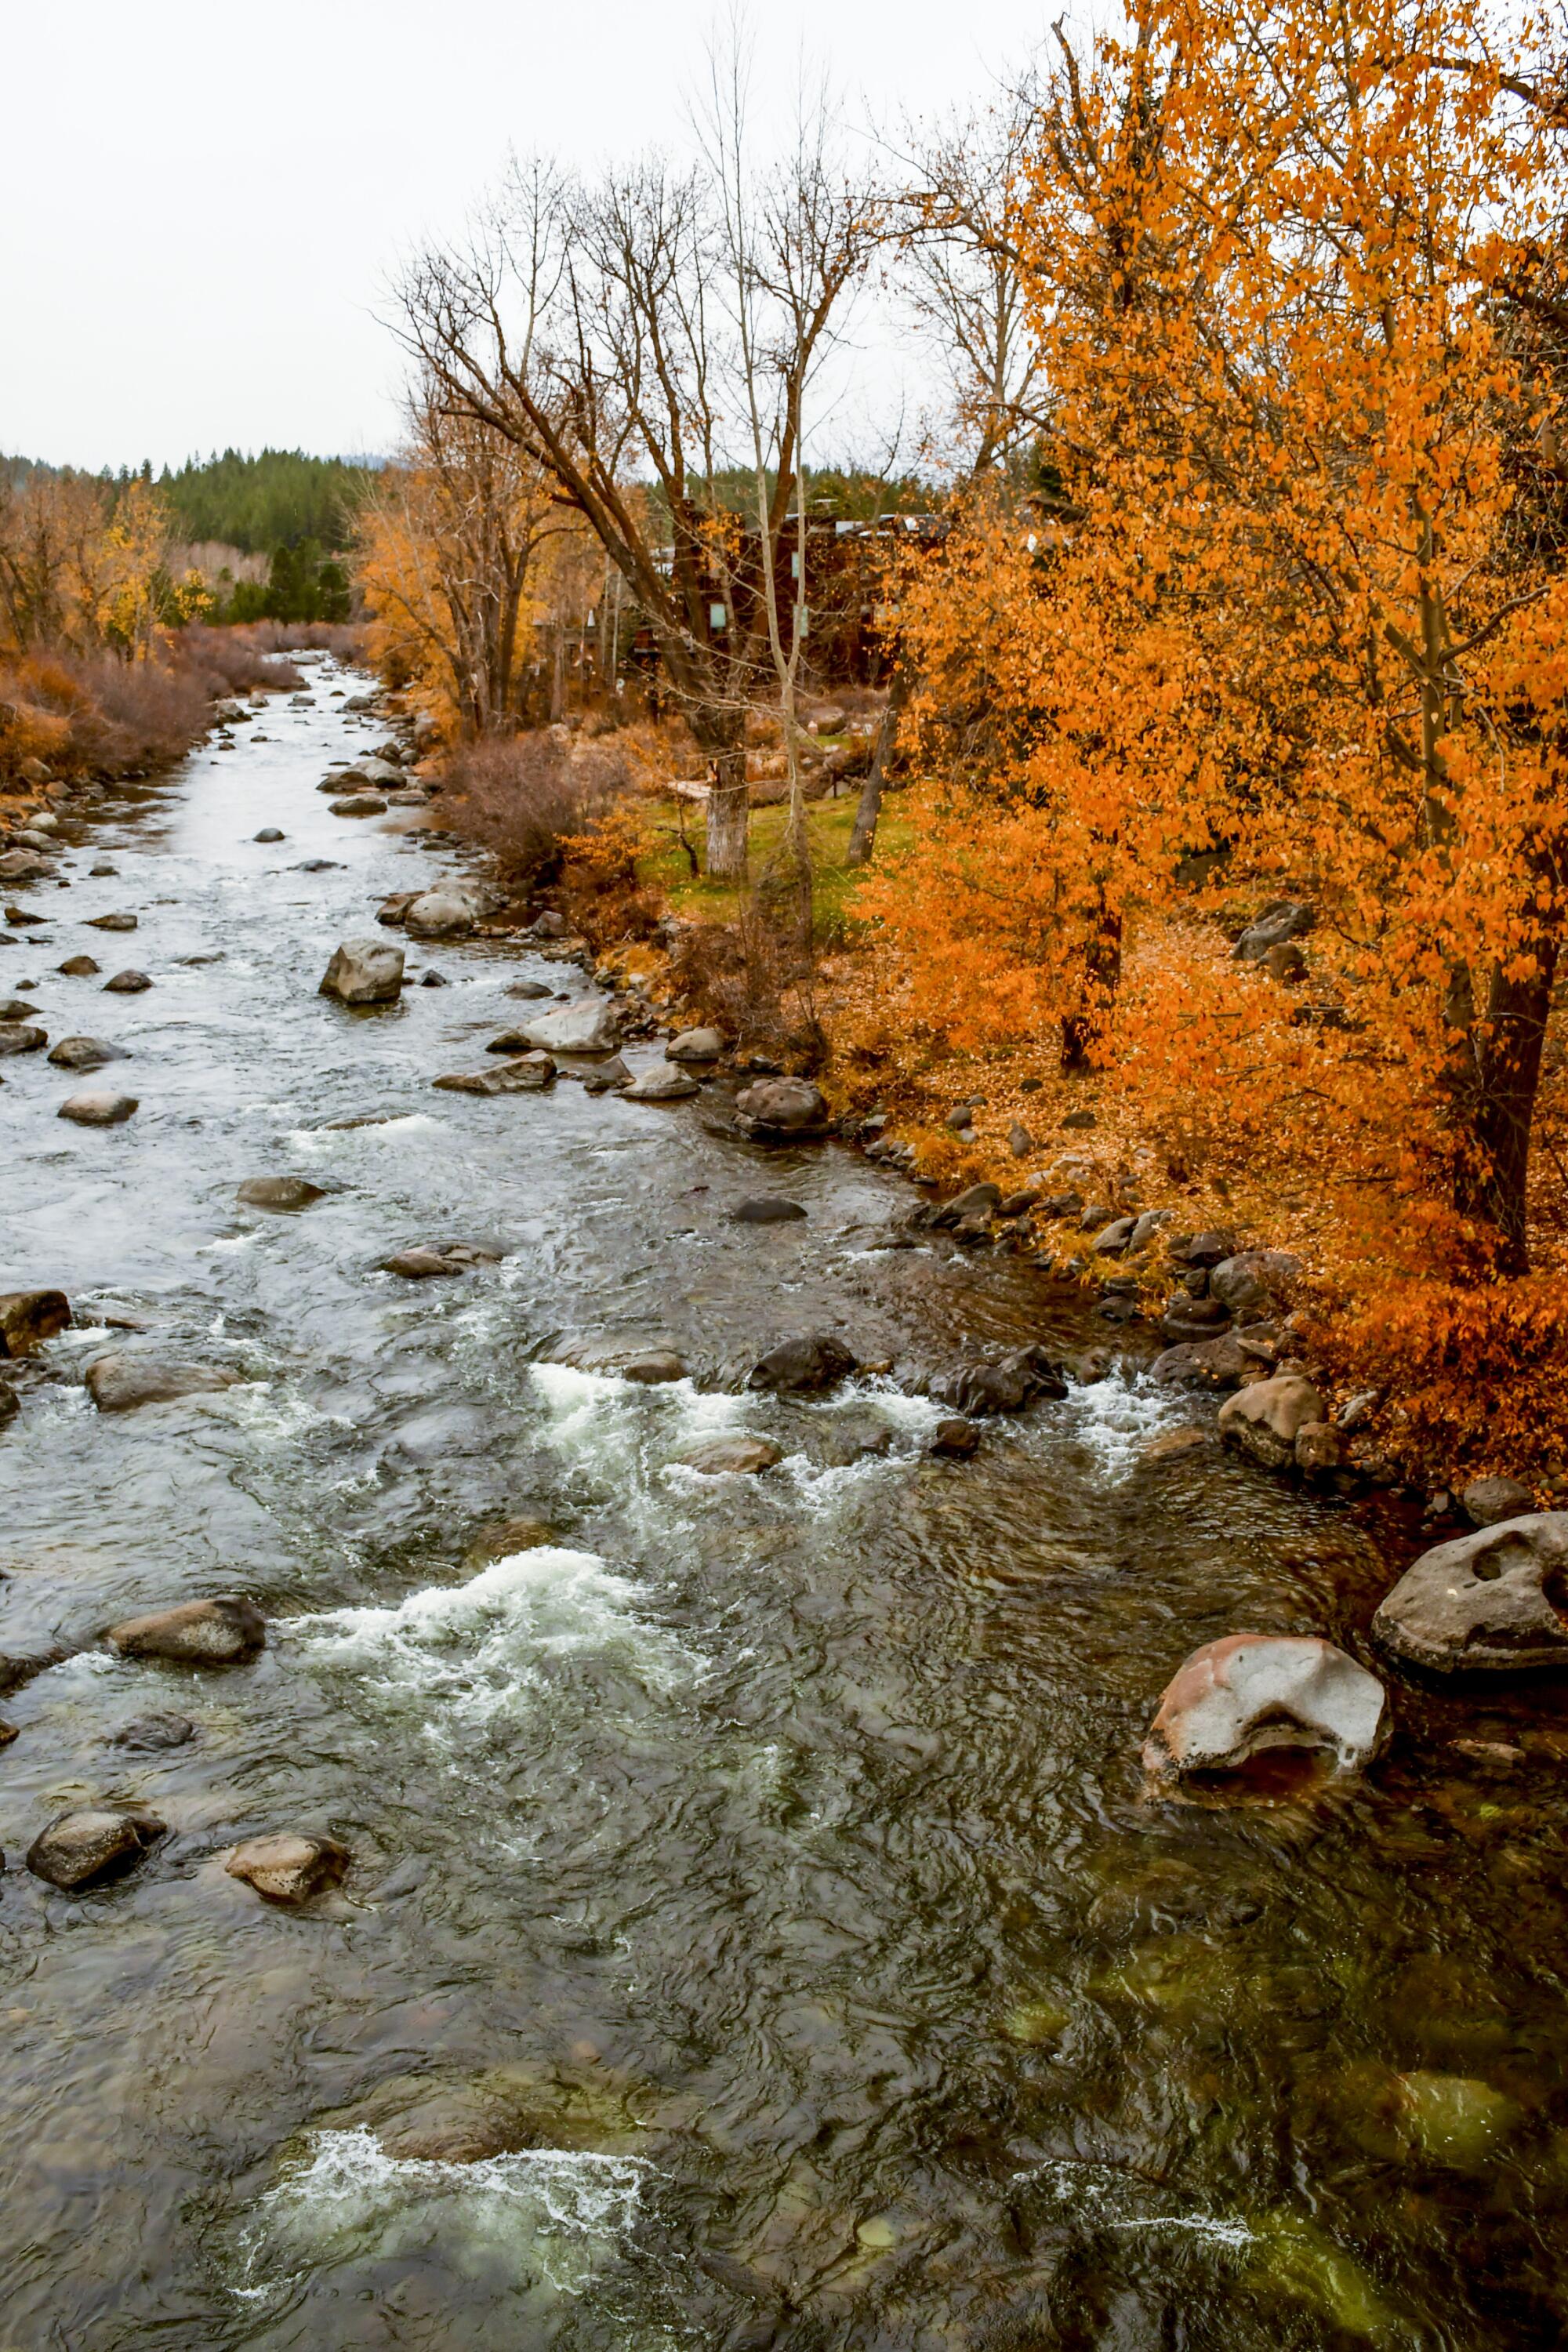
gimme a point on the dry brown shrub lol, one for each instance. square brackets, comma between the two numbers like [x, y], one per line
[758, 983]
[229, 660]
[523, 796]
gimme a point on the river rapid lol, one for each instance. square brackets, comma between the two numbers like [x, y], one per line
[757, 1933]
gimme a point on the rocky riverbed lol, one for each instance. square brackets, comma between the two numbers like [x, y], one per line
[576, 1774]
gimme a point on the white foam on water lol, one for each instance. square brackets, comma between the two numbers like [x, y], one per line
[543, 2215]
[322, 1139]
[1114, 1419]
[1081, 2183]
[476, 1647]
[230, 1242]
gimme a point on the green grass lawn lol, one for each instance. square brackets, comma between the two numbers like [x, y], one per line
[829, 823]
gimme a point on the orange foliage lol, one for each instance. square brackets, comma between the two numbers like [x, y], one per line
[1293, 591]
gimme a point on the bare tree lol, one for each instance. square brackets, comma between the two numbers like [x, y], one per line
[950, 218]
[595, 326]
[451, 536]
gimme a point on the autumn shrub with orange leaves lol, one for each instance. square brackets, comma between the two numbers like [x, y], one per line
[1296, 595]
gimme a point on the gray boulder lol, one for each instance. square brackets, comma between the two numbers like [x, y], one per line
[127, 983]
[800, 1365]
[287, 1868]
[84, 1849]
[359, 804]
[955, 1441]
[665, 1082]
[1486, 1502]
[529, 1074]
[1246, 1282]
[591, 1024]
[1494, 1601]
[439, 915]
[364, 971]
[21, 1037]
[85, 1054]
[1220, 1363]
[98, 1110]
[25, 865]
[228, 1631]
[112, 922]
[781, 1111]
[122, 1382]
[695, 1046]
[1250, 1696]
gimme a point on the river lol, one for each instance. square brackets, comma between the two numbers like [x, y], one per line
[757, 1933]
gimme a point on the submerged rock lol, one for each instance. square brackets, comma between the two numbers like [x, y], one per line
[1250, 1696]
[288, 1868]
[731, 1452]
[86, 1053]
[1454, 2120]
[766, 1209]
[802, 1364]
[155, 1732]
[228, 1631]
[279, 1193]
[28, 1318]
[955, 1440]
[504, 1538]
[428, 1259]
[780, 1109]
[120, 1382]
[98, 1110]
[84, 1849]
[364, 971]
[1495, 1602]
[10, 1404]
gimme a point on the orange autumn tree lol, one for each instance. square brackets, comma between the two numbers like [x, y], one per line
[1310, 539]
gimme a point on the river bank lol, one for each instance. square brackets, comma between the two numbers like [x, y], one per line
[756, 1927]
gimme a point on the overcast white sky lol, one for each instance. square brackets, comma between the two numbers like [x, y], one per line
[200, 203]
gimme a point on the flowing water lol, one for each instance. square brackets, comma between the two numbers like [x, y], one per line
[757, 1933]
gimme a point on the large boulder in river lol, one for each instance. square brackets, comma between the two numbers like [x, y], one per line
[695, 1046]
[122, 1381]
[288, 1868]
[529, 1074]
[733, 1453]
[359, 804]
[98, 1110]
[28, 1318]
[279, 1193]
[1250, 1696]
[364, 971]
[85, 1054]
[1263, 1418]
[24, 865]
[226, 1631]
[781, 1111]
[432, 1260]
[22, 1037]
[1495, 1602]
[665, 1082]
[1004, 1386]
[84, 1849]
[591, 1024]
[444, 914]
[1221, 1364]
[802, 1364]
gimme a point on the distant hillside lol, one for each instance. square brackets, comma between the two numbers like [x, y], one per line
[280, 498]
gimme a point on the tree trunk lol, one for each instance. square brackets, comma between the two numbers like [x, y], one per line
[729, 810]
[863, 836]
[1102, 977]
[558, 676]
[1494, 1165]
